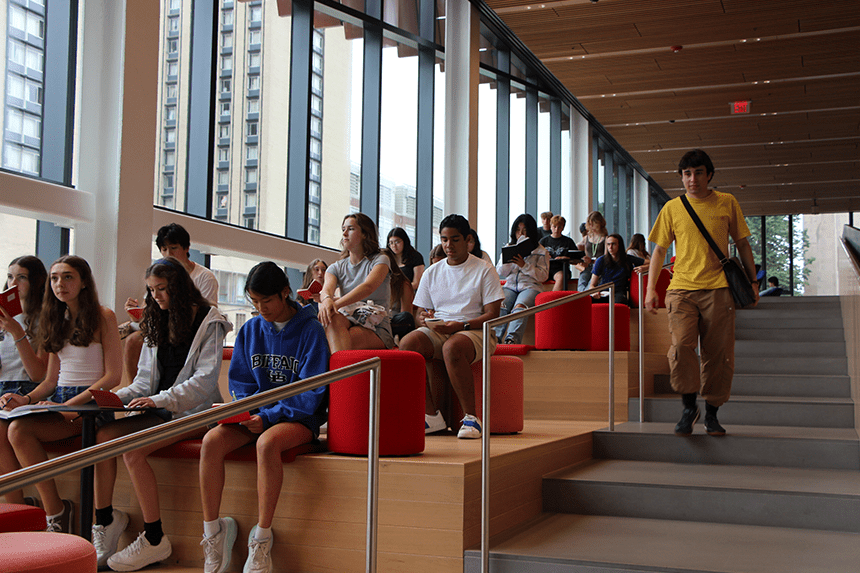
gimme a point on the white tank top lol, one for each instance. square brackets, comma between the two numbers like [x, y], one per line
[81, 365]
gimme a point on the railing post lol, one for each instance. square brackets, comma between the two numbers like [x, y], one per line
[612, 357]
[485, 455]
[373, 471]
[641, 352]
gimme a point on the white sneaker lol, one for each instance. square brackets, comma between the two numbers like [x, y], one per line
[139, 554]
[259, 554]
[471, 428]
[435, 423]
[218, 548]
[105, 538]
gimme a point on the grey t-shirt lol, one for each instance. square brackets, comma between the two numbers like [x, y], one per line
[350, 276]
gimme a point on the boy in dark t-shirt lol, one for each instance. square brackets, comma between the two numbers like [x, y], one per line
[557, 245]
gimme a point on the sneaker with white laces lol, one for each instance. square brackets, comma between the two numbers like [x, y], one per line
[139, 554]
[106, 537]
[61, 523]
[434, 423]
[218, 548]
[471, 428]
[259, 554]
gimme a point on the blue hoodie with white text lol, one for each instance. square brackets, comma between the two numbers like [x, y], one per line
[264, 359]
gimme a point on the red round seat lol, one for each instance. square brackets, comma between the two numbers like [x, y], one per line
[43, 552]
[662, 284]
[506, 393]
[565, 327]
[18, 517]
[401, 404]
[600, 327]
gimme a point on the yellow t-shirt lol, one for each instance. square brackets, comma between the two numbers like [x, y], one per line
[696, 265]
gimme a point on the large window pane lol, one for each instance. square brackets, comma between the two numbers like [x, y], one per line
[340, 164]
[487, 165]
[17, 238]
[398, 140]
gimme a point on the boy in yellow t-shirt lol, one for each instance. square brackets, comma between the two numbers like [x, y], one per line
[699, 301]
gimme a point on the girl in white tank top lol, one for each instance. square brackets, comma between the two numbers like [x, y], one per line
[83, 346]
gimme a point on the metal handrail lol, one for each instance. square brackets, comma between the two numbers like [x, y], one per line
[642, 342]
[100, 452]
[485, 404]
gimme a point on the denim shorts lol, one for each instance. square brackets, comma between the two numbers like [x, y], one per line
[21, 388]
[64, 393]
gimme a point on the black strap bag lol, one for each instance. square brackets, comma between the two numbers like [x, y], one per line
[739, 284]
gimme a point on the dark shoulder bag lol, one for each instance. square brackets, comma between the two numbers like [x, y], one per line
[739, 284]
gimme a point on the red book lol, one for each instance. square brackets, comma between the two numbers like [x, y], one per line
[136, 313]
[235, 419]
[106, 399]
[313, 288]
[10, 301]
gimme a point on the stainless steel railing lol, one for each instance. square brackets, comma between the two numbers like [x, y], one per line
[485, 436]
[89, 456]
[642, 342]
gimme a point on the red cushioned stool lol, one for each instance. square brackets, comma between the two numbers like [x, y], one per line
[44, 552]
[600, 327]
[401, 404]
[565, 327]
[506, 393]
[18, 517]
[662, 284]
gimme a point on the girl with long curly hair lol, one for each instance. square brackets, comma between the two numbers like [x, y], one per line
[82, 342]
[363, 273]
[177, 375]
[22, 361]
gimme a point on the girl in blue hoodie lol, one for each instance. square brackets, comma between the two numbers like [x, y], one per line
[283, 345]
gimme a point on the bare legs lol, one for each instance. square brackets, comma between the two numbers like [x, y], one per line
[27, 435]
[344, 335]
[220, 441]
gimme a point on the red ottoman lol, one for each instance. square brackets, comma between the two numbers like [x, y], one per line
[600, 327]
[506, 398]
[43, 552]
[401, 404]
[17, 517]
[662, 285]
[565, 327]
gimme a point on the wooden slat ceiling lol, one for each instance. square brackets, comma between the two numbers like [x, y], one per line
[798, 62]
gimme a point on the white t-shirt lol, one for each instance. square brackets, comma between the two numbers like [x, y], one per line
[205, 281]
[459, 292]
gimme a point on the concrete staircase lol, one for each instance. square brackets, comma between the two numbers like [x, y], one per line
[779, 493]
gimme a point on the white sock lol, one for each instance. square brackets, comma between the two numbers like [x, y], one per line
[211, 528]
[262, 533]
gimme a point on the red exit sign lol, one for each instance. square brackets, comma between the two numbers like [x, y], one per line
[740, 106]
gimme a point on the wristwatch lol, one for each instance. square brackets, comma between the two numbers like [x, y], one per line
[467, 326]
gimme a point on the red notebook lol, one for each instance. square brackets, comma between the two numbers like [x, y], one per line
[10, 301]
[235, 419]
[106, 399]
[313, 288]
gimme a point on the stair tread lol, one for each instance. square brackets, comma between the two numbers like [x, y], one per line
[668, 546]
[722, 477]
[740, 431]
[764, 399]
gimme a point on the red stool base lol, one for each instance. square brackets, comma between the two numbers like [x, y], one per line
[506, 399]
[17, 517]
[43, 552]
[401, 404]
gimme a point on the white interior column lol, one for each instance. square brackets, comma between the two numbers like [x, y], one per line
[462, 33]
[579, 156]
[640, 198]
[116, 143]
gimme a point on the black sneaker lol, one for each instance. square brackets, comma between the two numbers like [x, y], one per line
[62, 523]
[713, 427]
[688, 418]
